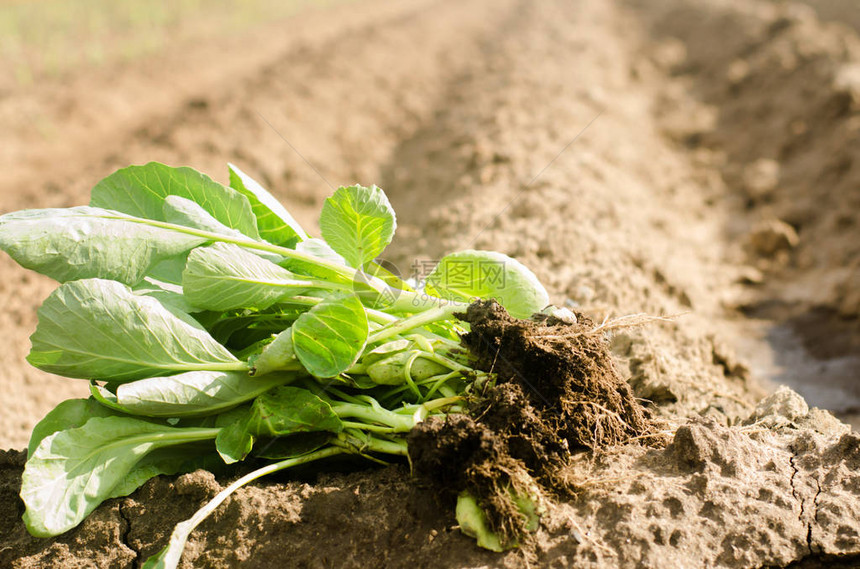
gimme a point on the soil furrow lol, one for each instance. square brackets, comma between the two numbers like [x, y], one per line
[787, 153]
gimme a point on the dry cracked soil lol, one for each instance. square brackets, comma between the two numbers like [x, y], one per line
[693, 159]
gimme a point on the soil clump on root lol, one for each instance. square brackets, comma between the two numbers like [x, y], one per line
[556, 392]
[555, 379]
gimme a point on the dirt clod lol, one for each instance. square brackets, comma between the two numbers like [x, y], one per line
[458, 454]
[771, 237]
[565, 371]
[556, 392]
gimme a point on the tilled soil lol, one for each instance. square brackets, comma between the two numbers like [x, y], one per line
[690, 159]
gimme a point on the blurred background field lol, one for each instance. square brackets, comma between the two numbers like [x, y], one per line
[45, 39]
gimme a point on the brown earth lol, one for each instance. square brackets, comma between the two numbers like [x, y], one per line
[688, 158]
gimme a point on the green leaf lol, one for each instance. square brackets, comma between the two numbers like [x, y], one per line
[193, 394]
[69, 414]
[239, 331]
[225, 276]
[358, 223]
[291, 446]
[276, 355]
[487, 274]
[287, 410]
[234, 443]
[320, 249]
[170, 270]
[141, 190]
[168, 294]
[160, 559]
[384, 350]
[181, 211]
[282, 411]
[86, 242]
[329, 338]
[169, 461]
[274, 222]
[105, 397]
[98, 329]
[71, 472]
[473, 522]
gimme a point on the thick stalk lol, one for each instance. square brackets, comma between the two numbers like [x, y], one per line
[361, 445]
[441, 312]
[367, 414]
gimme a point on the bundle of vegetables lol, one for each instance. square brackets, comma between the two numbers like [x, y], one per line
[210, 325]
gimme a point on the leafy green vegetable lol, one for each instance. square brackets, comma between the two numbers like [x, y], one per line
[85, 242]
[275, 223]
[73, 471]
[119, 335]
[473, 522]
[224, 276]
[487, 274]
[69, 414]
[193, 393]
[181, 211]
[279, 354]
[366, 357]
[358, 223]
[319, 249]
[141, 190]
[282, 411]
[329, 338]
[289, 446]
[288, 410]
[169, 460]
[168, 294]
[234, 443]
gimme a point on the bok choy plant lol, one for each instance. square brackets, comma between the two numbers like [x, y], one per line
[210, 324]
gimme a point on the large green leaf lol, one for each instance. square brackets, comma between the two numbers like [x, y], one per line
[72, 471]
[225, 276]
[141, 190]
[99, 329]
[358, 223]
[194, 393]
[182, 211]
[280, 412]
[168, 294]
[168, 460]
[287, 410]
[87, 242]
[329, 338]
[69, 414]
[234, 442]
[488, 274]
[474, 523]
[274, 222]
[276, 355]
[321, 250]
[291, 446]
[240, 330]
